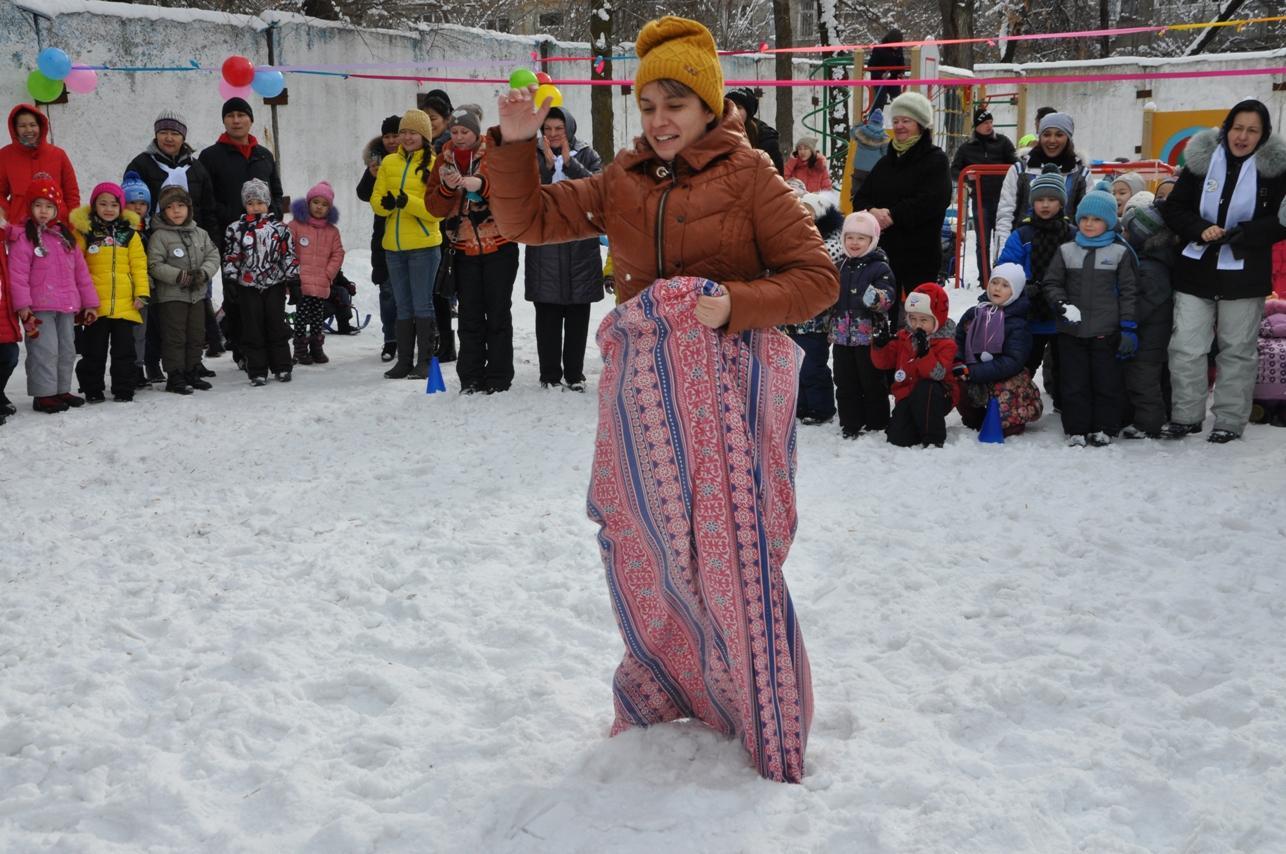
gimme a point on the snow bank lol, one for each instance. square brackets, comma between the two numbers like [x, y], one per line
[341, 615]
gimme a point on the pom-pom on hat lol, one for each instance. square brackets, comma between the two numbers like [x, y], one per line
[861, 222]
[931, 300]
[915, 107]
[673, 48]
[1014, 275]
[1100, 204]
[872, 132]
[136, 189]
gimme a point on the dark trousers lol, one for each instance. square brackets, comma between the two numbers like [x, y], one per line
[446, 338]
[182, 327]
[388, 312]
[1146, 375]
[1091, 387]
[985, 224]
[95, 341]
[816, 385]
[152, 336]
[485, 285]
[213, 338]
[8, 361]
[1044, 348]
[265, 334]
[861, 390]
[920, 418]
[561, 333]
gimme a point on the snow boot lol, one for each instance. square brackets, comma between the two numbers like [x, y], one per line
[195, 381]
[315, 349]
[154, 373]
[177, 384]
[52, 404]
[426, 339]
[302, 356]
[389, 353]
[405, 331]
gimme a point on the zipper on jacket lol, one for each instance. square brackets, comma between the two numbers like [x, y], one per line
[397, 230]
[660, 220]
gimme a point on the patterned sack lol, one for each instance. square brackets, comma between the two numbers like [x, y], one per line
[1019, 399]
[1270, 380]
[693, 488]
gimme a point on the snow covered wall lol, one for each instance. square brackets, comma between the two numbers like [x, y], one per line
[328, 120]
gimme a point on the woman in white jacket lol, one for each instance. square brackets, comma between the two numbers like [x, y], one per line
[1053, 146]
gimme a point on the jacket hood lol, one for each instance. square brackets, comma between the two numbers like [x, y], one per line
[830, 222]
[1270, 157]
[299, 210]
[372, 149]
[80, 220]
[186, 153]
[728, 135]
[41, 119]
[160, 222]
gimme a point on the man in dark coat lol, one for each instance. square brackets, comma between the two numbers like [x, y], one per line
[985, 147]
[887, 62]
[563, 279]
[234, 159]
[762, 136]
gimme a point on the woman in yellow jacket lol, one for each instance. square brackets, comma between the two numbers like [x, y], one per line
[107, 234]
[412, 242]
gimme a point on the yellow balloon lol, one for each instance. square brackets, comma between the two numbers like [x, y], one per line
[551, 92]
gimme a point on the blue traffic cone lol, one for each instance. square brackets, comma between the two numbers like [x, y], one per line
[991, 430]
[435, 377]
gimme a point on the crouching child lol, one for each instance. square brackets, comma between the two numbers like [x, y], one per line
[920, 356]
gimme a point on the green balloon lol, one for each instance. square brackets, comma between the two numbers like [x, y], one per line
[42, 88]
[521, 78]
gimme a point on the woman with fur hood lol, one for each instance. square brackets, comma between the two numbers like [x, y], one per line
[1224, 210]
[321, 254]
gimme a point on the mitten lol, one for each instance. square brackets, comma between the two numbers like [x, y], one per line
[31, 326]
[200, 278]
[920, 341]
[1070, 313]
[984, 356]
[184, 279]
[960, 372]
[871, 298]
[1129, 341]
[881, 335]
[402, 200]
[388, 201]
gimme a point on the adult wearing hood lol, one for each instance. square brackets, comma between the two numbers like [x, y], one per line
[372, 156]
[29, 154]
[762, 135]
[684, 405]
[985, 148]
[563, 279]
[1054, 145]
[908, 192]
[1224, 210]
[170, 160]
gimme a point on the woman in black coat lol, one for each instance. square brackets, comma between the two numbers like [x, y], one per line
[908, 192]
[1224, 209]
[563, 279]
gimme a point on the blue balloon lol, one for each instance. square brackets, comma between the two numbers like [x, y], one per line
[53, 63]
[268, 83]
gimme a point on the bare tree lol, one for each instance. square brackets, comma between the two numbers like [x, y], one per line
[600, 40]
[785, 70]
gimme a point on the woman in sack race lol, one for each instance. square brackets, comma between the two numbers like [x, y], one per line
[485, 262]
[697, 395]
[1224, 208]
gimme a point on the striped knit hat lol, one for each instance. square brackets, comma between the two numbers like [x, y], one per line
[1049, 184]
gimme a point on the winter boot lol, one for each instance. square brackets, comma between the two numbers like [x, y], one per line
[177, 384]
[426, 339]
[140, 378]
[343, 322]
[154, 373]
[51, 404]
[315, 349]
[405, 331]
[195, 381]
[389, 353]
[302, 356]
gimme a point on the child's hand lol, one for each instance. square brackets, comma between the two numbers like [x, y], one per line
[881, 335]
[871, 298]
[90, 316]
[138, 304]
[25, 314]
[960, 372]
[472, 184]
[920, 340]
[451, 178]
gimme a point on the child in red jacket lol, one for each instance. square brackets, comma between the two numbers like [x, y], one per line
[922, 355]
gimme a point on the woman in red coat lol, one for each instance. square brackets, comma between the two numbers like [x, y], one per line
[809, 166]
[31, 153]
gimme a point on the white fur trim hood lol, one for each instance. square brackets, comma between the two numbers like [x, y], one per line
[1270, 160]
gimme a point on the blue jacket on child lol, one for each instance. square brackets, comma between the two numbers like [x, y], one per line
[1013, 356]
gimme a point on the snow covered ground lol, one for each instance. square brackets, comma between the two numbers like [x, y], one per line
[343, 616]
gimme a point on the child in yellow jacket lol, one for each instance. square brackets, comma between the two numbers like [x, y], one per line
[107, 234]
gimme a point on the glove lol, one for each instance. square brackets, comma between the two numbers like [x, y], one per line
[402, 200]
[960, 372]
[1070, 313]
[984, 356]
[609, 284]
[200, 279]
[388, 201]
[1129, 341]
[871, 298]
[185, 279]
[881, 335]
[920, 341]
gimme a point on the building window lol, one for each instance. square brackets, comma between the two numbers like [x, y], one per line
[807, 24]
[551, 19]
[500, 25]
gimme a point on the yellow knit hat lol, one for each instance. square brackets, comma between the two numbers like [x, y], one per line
[418, 121]
[678, 49]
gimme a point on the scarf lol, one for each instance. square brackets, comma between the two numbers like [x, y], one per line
[1107, 238]
[1047, 236]
[559, 175]
[246, 150]
[904, 147]
[1240, 208]
[693, 490]
[986, 333]
[118, 230]
[175, 176]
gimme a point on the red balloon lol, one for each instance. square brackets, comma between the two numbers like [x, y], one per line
[238, 71]
[542, 78]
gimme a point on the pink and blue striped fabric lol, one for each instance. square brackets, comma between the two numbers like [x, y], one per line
[693, 488]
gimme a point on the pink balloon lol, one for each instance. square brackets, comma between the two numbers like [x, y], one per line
[227, 90]
[81, 80]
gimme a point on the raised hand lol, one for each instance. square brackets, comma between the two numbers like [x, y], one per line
[520, 118]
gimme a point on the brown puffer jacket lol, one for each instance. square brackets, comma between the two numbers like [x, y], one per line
[724, 214]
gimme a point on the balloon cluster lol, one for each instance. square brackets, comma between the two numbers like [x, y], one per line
[240, 78]
[54, 71]
[523, 78]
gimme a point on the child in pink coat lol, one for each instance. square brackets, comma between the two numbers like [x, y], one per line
[321, 253]
[50, 285]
